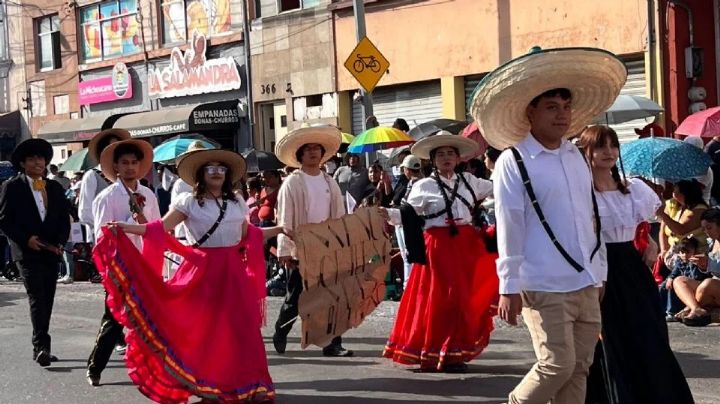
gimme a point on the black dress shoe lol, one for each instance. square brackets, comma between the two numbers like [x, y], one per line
[92, 380]
[280, 343]
[53, 358]
[43, 359]
[337, 351]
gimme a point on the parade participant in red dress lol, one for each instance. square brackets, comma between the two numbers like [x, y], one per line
[446, 315]
[198, 334]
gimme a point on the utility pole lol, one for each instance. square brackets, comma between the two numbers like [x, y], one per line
[367, 101]
[248, 75]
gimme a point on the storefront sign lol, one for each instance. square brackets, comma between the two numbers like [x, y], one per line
[191, 73]
[117, 86]
[219, 115]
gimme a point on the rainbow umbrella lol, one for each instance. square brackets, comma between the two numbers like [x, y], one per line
[345, 140]
[379, 138]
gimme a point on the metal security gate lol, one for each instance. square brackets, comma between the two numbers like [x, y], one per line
[416, 103]
[471, 83]
[635, 85]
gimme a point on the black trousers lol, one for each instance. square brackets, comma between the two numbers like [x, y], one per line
[40, 279]
[109, 335]
[289, 309]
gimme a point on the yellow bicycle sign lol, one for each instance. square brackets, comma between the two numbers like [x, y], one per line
[367, 64]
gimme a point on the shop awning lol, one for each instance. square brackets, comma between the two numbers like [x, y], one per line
[76, 130]
[10, 124]
[192, 118]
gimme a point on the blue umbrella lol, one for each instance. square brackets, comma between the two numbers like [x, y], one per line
[171, 149]
[665, 158]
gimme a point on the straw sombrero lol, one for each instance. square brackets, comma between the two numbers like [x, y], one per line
[327, 136]
[93, 151]
[106, 158]
[466, 147]
[499, 102]
[189, 163]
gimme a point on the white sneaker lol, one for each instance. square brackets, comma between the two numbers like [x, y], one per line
[121, 349]
[66, 280]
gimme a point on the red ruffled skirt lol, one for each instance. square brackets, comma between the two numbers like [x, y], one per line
[446, 313]
[199, 333]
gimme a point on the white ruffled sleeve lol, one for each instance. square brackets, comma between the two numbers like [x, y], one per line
[645, 200]
[184, 203]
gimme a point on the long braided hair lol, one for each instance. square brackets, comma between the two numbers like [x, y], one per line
[448, 203]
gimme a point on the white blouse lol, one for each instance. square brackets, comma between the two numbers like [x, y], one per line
[426, 198]
[201, 218]
[621, 213]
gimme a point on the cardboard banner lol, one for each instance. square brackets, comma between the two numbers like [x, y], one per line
[343, 263]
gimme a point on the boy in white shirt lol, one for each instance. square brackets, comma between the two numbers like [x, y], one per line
[127, 201]
[308, 195]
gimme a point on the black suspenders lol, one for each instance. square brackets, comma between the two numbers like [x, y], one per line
[541, 215]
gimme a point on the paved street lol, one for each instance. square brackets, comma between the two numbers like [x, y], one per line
[300, 376]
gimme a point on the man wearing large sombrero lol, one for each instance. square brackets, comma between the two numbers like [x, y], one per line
[548, 226]
[126, 201]
[93, 182]
[35, 217]
[308, 195]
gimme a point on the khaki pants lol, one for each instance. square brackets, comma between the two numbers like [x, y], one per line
[564, 328]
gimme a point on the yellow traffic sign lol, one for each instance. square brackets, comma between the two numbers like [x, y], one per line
[367, 64]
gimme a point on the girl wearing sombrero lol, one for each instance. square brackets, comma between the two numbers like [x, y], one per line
[198, 334]
[446, 314]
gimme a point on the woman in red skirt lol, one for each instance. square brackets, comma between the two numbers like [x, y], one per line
[446, 313]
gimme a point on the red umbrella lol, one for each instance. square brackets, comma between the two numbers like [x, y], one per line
[473, 132]
[704, 123]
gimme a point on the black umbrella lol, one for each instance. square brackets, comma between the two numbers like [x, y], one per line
[431, 127]
[258, 161]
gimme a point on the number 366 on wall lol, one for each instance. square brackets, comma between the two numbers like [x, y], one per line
[267, 89]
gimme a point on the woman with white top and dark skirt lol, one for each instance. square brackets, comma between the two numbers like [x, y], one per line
[198, 334]
[633, 360]
[446, 313]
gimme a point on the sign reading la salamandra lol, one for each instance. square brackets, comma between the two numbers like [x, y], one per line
[191, 73]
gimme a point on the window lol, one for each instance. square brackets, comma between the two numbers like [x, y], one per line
[209, 17]
[108, 30]
[48, 43]
[314, 100]
[61, 104]
[37, 98]
[289, 5]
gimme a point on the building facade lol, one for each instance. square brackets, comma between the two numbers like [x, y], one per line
[158, 68]
[439, 50]
[293, 67]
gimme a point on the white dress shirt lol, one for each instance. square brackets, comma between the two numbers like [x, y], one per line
[42, 210]
[113, 205]
[425, 197]
[91, 186]
[562, 182]
[201, 218]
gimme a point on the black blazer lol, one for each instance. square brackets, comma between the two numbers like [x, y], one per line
[20, 219]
